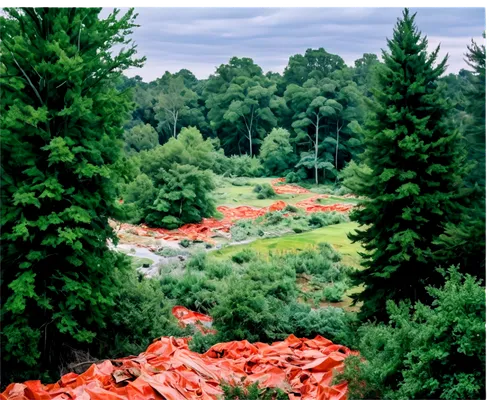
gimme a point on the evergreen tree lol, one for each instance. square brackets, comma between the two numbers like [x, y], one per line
[62, 123]
[415, 163]
[464, 243]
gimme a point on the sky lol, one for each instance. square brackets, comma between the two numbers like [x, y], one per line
[201, 39]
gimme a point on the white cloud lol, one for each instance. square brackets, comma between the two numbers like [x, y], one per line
[200, 39]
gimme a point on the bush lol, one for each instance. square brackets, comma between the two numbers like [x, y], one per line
[184, 196]
[252, 392]
[141, 314]
[290, 208]
[243, 256]
[298, 176]
[264, 191]
[218, 270]
[197, 261]
[334, 293]
[200, 343]
[245, 166]
[192, 290]
[332, 323]
[436, 351]
[185, 243]
[239, 182]
[276, 152]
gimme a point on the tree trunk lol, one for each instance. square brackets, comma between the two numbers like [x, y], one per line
[316, 149]
[250, 140]
[337, 147]
[175, 125]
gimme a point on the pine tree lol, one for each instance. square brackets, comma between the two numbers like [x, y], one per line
[62, 124]
[464, 243]
[415, 175]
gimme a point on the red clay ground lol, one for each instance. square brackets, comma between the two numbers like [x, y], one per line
[303, 368]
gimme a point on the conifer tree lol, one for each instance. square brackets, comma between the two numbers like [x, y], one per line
[62, 123]
[415, 175]
[464, 243]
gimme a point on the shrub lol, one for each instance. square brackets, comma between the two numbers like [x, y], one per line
[185, 243]
[192, 290]
[218, 270]
[141, 314]
[200, 343]
[251, 392]
[334, 293]
[276, 152]
[245, 166]
[296, 176]
[290, 208]
[243, 256]
[435, 351]
[184, 196]
[239, 182]
[197, 261]
[264, 191]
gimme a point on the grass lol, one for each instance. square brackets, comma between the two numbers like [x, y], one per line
[335, 199]
[234, 196]
[336, 235]
[138, 262]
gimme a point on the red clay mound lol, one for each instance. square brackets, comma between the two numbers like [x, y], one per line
[169, 370]
[186, 317]
[282, 188]
[310, 205]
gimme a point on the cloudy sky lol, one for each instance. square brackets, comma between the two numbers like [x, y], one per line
[200, 39]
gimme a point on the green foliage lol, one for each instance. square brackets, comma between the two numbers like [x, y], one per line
[296, 176]
[264, 191]
[138, 196]
[241, 103]
[464, 243]
[239, 182]
[245, 166]
[176, 104]
[251, 392]
[184, 196]
[330, 322]
[201, 343]
[243, 256]
[141, 314]
[140, 137]
[435, 351]
[415, 166]
[334, 293]
[62, 126]
[276, 152]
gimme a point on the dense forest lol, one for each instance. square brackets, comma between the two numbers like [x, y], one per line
[82, 143]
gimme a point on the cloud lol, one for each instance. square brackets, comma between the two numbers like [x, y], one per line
[200, 39]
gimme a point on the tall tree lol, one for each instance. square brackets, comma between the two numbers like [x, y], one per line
[62, 123]
[312, 108]
[276, 152]
[416, 165]
[314, 64]
[177, 101]
[464, 243]
[241, 104]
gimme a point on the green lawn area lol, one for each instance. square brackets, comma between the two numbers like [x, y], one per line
[335, 199]
[234, 196]
[336, 235]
